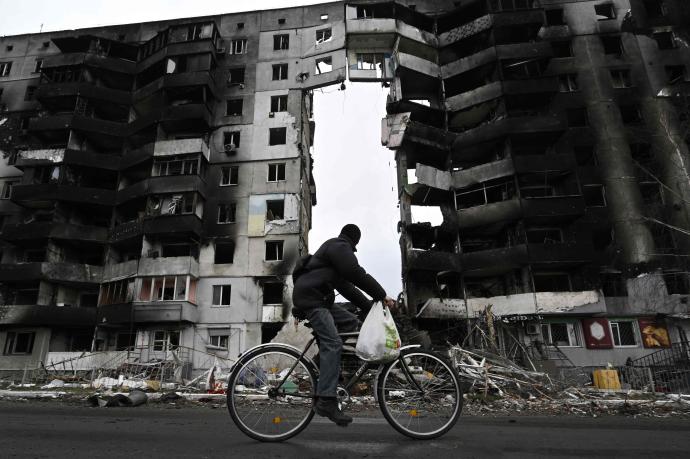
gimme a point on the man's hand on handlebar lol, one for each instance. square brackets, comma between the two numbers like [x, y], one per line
[390, 303]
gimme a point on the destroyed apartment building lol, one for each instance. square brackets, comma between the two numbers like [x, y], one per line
[157, 185]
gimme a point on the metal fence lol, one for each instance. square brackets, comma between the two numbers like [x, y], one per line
[667, 370]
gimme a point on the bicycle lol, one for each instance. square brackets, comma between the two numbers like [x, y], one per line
[271, 391]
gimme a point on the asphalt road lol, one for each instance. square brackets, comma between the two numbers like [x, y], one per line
[52, 430]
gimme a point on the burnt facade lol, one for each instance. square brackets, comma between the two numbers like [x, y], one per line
[552, 137]
[159, 182]
[159, 189]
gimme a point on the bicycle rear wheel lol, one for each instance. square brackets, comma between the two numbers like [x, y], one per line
[419, 395]
[260, 408]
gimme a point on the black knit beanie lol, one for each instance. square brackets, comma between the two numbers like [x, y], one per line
[352, 232]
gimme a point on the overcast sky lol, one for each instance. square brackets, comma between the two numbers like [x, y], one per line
[355, 175]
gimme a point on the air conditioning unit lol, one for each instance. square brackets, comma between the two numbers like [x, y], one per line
[271, 114]
[532, 329]
[230, 148]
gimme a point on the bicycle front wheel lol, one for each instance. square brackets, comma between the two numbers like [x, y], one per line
[419, 395]
[267, 400]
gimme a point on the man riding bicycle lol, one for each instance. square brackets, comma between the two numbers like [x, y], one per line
[334, 266]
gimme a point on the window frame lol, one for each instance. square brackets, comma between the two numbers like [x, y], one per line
[233, 176]
[277, 136]
[324, 31]
[279, 245]
[277, 168]
[281, 42]
[166, 341]
[614, 335]
[221, 289]
[279, 71]
[235, 102]
[11, 340]
[619, 78]
[572, 329]
[571, 82]
[238, 46]
[279, 102]
[230, 211]
[5, 68]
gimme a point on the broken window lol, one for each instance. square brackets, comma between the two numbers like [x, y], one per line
[229, 175]
[224, 253]
[537, 191]
[233, 107]
[227, 213]
[562, 48]
[612, 44]
[585, 155]
[281, 21]
[19, 343]
[221, 295]
[324, 65]
[551, 282]
[522, 69]
[274, 250]
[655, 8]
[323, 35]
[38, 66]
[372, 61]
[117, 292]
[272, 293]
[165, 288]
[665, 40]
[544, 235]
[276, 172]
[30, 93]
[484, 194]
[365, 12]
[577, 117]
[281, 42]
[279, 103]
[561, 334]
[5, 68]
[35, 255]
[236, 76]
[604, 11]
[613, 284]
[643, 157]
[676, 283]
[275, 209]
[238, 46]
[623, 332]
[630, 114]
[277, 136]
[180, 204]
[664, 241]
[675, 73]
[567, 82]
[7, 189]
[602, 238]
[231, 141]
[176, 165]
[651, 193]
[165, 340]
[280, 72]
[620, 78]
[594, 195]
[555, 17]
[176, 250]
[125, 341]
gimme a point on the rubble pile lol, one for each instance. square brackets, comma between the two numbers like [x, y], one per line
[493, 374]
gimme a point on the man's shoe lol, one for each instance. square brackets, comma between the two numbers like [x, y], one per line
[328, 407]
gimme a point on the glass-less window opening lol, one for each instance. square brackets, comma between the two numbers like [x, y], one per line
[176, 165]
[561, 334]
[167, 288]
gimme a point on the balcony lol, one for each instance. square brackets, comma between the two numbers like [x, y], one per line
[498, 89]
[127, 230]
[60, 272]
[174, 224]
[113, 64]
[512, 125]
[117, 271]
[30, 158]
[27, 232]
[488, 214]
[165, 184]
[181, 147]
[41, 315]
[155, 312]
[553, 209]
[540, 163]
[186, 79]
[427, 260]
[40, 195]
[560, 254]
[48, 91]
[78, 122]
[168, 266]
[497, 19]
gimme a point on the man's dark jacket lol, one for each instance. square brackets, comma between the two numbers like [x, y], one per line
[335, 266]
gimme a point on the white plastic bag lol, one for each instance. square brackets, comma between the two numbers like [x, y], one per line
[379, 340]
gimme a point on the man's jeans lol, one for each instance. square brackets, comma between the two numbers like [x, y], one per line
[326, 322]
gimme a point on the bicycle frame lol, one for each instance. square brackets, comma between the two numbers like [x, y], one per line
[358, 374]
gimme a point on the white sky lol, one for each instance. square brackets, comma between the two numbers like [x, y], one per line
[355, 175]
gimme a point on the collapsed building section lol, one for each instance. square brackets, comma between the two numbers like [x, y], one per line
[538, 132]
